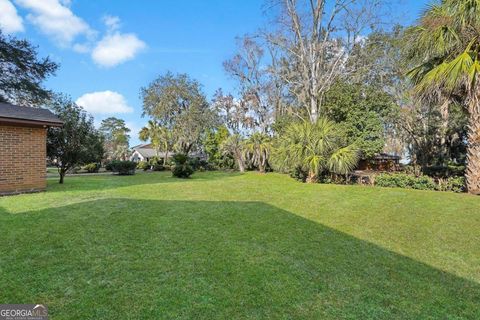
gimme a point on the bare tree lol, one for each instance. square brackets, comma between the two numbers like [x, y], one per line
[314, 40]
[258, 94]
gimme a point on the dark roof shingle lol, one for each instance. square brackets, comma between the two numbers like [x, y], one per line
[13, 112]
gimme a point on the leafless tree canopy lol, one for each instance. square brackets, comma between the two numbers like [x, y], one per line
[315, 39]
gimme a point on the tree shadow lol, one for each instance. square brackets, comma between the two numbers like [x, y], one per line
[149, 259]
[110, 181]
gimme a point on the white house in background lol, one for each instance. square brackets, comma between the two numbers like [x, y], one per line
[144, 152]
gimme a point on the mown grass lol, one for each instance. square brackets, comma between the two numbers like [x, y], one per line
[231, 246]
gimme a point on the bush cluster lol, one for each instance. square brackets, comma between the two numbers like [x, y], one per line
[122, 167]
[299, 174]
[156, 164]
[453, 184]
[182, 167]
[402, 180]
[143, 165]
[445, 171]
[200, 165]
[91, 167]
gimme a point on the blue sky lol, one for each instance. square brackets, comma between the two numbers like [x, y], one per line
[108, 49]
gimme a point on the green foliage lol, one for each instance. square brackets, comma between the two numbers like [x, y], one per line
[234, 146]
[200, 164]
[445, 49]
[299, 174]
[156, 164]
[315, 148]
[258, 147]
[109, 166]
[77, 141]
[401, 180]
[212, 145]
[423, 182]
[182, 167]
[445, 171]
[453, 184]
[22, 72]
[123, 168]
[363, 112]
[91, 167]
[160, 137]
[116, 137]
[177, 102]
[143, 165]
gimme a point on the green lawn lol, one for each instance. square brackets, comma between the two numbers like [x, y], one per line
[231, 246]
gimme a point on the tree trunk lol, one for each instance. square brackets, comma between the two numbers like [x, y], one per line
[313, 109]
[472, 174]
[261, 165]
[241, 165]
[62, 172]
[312, 177]
[165, 159]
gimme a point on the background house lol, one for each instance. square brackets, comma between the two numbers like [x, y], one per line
[23, 152]
[144, 152]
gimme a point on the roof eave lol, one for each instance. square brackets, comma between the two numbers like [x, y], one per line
[27, 122]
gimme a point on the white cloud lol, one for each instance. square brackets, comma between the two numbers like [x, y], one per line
[112, 22]
[81, 47]
[10, 21]
[55, 19]
[104, 102]
[117, 48]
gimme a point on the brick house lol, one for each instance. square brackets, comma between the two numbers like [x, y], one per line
[23, 154]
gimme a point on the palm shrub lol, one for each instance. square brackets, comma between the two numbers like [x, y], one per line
[314, 148]
[182, 167]
[258, 149]
[445, 45]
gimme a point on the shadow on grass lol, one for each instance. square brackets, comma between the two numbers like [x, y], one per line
[111, 181]
[213, 260]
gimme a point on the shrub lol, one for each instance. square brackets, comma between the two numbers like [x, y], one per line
[143, 165]
[91, 167]
[158, 167]
[156, 164]
[108, 166]
[453, 184]
[401, 180]
[123, 167]
[200, 164]
[182, 167]
[445, 171]
[299, 174]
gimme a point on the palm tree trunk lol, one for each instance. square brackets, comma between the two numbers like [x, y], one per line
[473, 151]
[312, 177]
[241, 165]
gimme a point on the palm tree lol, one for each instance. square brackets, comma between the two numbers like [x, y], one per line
[234, 145]
[160, 137]
[447, 42]
[258, 148]
[315, 147]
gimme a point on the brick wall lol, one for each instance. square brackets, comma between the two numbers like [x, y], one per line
[22, 159]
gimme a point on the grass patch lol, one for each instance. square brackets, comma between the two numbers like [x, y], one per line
[239, 246]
